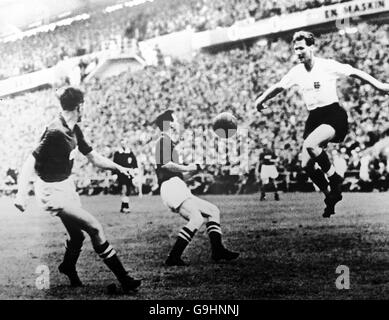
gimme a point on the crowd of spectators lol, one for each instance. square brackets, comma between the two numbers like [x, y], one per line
[123, 108]
[145, 21]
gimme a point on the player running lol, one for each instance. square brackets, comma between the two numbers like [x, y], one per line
[176, 195]
[327, 120]
[55, 191]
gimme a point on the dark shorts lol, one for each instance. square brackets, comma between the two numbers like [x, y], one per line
[333, 115]
[123, 179]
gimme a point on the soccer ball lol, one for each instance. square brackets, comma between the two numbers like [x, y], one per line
[225, 125]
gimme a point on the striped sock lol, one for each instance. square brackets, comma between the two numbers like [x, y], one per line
[215, 235]
[110, 258]
[187, 234]
[184, 237]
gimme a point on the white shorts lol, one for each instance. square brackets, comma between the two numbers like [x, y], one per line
[174, 192]
[267, 172]
[54, 196]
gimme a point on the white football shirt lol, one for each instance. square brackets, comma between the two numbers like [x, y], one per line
[317, 86]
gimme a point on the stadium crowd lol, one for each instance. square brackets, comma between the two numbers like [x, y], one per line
[123, 107]
[149, 20]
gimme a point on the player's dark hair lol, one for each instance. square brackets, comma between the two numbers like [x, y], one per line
[166, 116]
[71, 98]
[304, 35]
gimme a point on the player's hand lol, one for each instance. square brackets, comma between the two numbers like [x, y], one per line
[126, 171]
[20, 203]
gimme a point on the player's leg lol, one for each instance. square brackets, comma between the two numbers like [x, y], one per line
[192, 214]
[264, 180]
[316, 175]
[272, 182]
[212, 213]
[123, 187]
[72, 252]
[263, 190]
[94, 229]
[313, 145]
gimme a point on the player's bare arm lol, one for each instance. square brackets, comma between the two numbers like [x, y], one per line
[377, 148]
[104, 163]
[362, 75]
[267, 95]
[175, 167]
[23, 184]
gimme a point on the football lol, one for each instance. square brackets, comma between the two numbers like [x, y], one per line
[225, 125]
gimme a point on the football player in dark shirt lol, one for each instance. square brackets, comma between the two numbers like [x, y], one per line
[176, 195]
[268, 172]
[52, 161]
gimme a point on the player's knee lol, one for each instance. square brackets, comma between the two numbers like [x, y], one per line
[308, 165]
[313, 150]
[196, 220]
[94, 229]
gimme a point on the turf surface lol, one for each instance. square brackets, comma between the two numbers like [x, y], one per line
[288, 251]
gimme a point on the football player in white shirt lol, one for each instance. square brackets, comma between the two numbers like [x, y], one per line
[327, 120]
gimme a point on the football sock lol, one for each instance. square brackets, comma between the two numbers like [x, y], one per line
[215, 235]
[71, 254]
[317, 176]
[125, 204]
[324, 162]
[184, 237]
[110, 258]
[336, 182]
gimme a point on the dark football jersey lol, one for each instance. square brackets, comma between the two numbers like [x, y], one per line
[165, 152]
[55, 152]
[125, 159]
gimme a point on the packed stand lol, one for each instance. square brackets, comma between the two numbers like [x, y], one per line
[142, 22]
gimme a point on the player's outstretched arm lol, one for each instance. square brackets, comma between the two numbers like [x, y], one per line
[104, 163]
[26, 173]
[267, 95]
[362, 75]
[377, 148]
[175, 167]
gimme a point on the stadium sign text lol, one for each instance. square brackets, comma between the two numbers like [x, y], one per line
[354, 9]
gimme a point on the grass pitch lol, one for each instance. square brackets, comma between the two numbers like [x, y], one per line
[288, 251]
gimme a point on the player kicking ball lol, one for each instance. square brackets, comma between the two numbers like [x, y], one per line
[327, 120]
[178, 198]
[55, 191]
